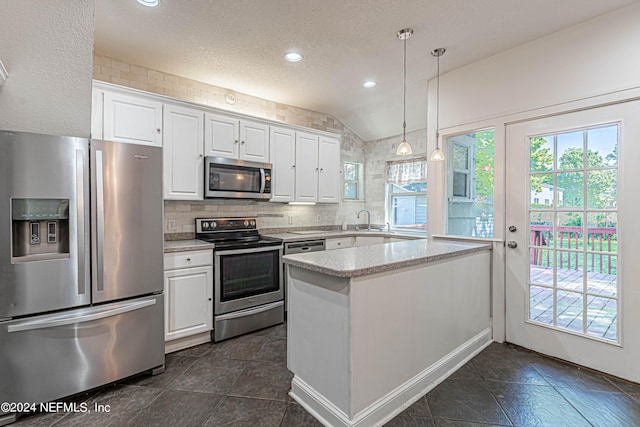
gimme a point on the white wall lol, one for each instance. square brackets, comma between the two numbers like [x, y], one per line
[47, 48]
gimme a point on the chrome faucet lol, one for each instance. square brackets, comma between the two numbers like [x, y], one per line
[368, 218]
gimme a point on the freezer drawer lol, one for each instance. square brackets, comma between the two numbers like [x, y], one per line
[49, 357]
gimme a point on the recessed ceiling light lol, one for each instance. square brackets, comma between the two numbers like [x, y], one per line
[293, 57]
[369, 84]
[149, 3]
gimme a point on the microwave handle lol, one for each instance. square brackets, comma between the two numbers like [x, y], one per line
[263, 180]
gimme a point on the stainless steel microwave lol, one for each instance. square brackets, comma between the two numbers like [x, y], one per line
[236, 179]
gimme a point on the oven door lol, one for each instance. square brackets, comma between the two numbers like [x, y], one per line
[247, 278]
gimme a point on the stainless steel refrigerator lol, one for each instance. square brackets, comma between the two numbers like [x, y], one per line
[81, 264]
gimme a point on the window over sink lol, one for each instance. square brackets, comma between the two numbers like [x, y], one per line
[406, 188]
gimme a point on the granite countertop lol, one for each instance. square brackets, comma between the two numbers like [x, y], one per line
[186, 245]
[324, 234]
[363, 260]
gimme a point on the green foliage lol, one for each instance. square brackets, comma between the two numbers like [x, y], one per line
[484, 164]
[541, 160]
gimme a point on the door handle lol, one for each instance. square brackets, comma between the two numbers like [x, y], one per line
[99, 221]
[512, 244]
[512, 228]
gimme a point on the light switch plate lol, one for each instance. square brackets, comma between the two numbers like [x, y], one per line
[171, 225]
[319, 218]
[290, 219]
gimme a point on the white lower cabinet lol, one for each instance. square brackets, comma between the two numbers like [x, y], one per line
[338, 243]
[368, 240]
[188, 287]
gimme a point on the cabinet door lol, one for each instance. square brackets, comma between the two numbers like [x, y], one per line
[183, 153]
[338, 243]
[283, 157]
[132, 119]
[329, 172]
[368, 240]
[97, 113]
[254, 141]
[306, 167]
[188, 302]
[221, 135]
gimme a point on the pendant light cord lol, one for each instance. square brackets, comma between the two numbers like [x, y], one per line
[438, 106]
[404, 91]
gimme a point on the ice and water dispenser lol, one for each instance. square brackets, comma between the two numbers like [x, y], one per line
[40, 229]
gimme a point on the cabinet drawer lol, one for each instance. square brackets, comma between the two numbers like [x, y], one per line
[189, 259]
[341, 242]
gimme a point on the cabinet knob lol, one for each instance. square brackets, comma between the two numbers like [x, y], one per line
[188, 259]
[321, 169]
[210, 299]
[293, 166]
[316, 169]
[242, 142]
[158, 130]
[235, 142]
[200, 155]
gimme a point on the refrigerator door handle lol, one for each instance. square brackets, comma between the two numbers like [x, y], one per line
[96, 314]
[99, 221]
[80, 211]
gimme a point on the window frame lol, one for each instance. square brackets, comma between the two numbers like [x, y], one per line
[359, 181]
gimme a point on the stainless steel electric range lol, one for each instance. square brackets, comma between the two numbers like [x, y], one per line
[248, 276]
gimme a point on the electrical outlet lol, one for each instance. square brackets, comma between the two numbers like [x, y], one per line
[171, 225]
[319, 218]
[290, 219]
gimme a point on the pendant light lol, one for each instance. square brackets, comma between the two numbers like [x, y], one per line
[438, 155]
[404, 149]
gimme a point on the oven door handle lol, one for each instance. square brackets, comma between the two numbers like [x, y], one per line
[247, 251]
[249, 311]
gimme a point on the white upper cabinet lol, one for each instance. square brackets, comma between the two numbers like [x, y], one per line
[236, 139]
[329, 170]
[306, 167]
[306, 182]
[283, 158]
[221, 136]
[132, 119]
[97, 108]
[183, 153]
[254, 141]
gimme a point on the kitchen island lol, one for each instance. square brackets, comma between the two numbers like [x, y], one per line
[372, 329]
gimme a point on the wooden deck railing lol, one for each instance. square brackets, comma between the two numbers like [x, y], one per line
[599, 239]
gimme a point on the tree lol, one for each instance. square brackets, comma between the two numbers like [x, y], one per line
[541, 161]
[601, 184]
[484, 164]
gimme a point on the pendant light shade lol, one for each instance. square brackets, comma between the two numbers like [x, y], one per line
[437, 155]
[404, 149]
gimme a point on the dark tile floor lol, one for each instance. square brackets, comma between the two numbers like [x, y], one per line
[244, 382]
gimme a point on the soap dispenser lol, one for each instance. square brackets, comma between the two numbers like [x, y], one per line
[344, 224]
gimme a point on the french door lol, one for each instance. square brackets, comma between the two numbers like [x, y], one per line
[573, 237]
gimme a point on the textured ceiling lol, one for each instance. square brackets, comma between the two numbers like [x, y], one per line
[239, 44]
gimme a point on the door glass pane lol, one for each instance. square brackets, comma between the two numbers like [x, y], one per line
[569, 310]
[573, 239]
[571, 189]
[541, 154]
[603, 142]
[601, 274]
[460, 184]
[570, 150]
[542, 191]
[541, 304]
[541, 268]
[570, 270]
[601, 317]
[602, 189]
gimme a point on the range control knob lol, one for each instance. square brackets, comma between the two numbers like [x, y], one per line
[213, 224]
[205, 225]
[253, 223]
[246, 223]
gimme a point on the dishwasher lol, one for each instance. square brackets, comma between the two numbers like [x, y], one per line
[299, 248]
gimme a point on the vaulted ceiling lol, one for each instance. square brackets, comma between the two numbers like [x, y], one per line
[240, 44]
